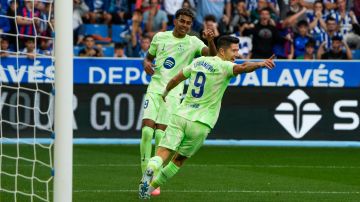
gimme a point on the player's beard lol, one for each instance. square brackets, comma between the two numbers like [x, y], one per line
[182, 30]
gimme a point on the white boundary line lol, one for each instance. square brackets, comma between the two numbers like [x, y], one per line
[225, 191]
[228, 165]
[219, 165]
[218, 191]
[217, 142]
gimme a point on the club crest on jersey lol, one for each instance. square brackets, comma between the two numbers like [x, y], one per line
[181, 48]
[169, 63]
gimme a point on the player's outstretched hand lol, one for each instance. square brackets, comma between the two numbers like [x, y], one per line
[149, 67]
[269, 63]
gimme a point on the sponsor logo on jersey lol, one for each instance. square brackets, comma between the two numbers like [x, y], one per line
[169, 63]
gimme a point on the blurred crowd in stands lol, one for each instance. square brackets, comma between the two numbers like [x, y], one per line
[292, 29]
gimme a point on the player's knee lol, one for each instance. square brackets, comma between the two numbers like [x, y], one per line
[164, 153]
[179, 160]
[161, 127]
[147, 133]
[149, 123]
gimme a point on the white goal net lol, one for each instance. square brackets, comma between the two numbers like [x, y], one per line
[27, 100]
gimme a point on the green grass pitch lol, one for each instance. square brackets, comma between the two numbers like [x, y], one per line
[112, 173]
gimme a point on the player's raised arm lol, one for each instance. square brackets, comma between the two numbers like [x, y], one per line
[173, 83]
[148, 64]
[252, 66]
[211, 49]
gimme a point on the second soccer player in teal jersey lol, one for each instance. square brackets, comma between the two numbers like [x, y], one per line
[199, 111]
[171, 50]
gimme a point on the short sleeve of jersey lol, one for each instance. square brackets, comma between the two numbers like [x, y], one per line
[199, 45]
[187, 70]
[154, 45]
[229, 68]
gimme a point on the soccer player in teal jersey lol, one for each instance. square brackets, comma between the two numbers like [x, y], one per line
[199, 111]
[172, 50]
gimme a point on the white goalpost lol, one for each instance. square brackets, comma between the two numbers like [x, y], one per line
[63, 101]
[36, 92]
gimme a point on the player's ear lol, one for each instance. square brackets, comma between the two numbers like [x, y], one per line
[222, 51]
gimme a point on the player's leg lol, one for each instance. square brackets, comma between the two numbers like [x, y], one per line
[195, 135]
[165, 111]
[151, 107]
[168, 171]
[155, 163]
[147, 133]
[159, 134]
[168, 143]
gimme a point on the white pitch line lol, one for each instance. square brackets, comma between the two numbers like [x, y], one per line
[226, 191]
[227, 165]
[217, 165]
[217, 191]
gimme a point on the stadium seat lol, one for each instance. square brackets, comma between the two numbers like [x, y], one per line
[356, 54]
[116, 32]
[108, 51]
[96, 29]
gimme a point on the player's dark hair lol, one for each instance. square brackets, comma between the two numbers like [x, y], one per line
[184, 11]
[225, 41]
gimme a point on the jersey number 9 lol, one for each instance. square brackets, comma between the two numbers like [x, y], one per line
[200, 83]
